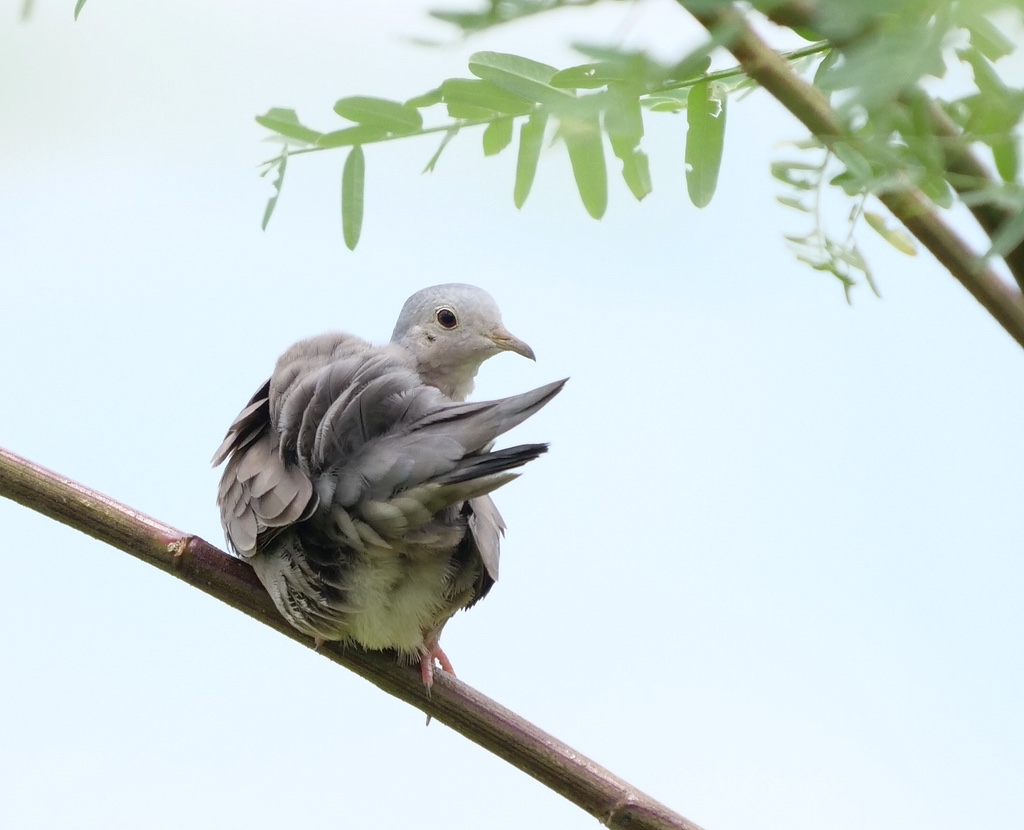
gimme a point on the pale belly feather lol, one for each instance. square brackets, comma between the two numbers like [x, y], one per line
[394, 599]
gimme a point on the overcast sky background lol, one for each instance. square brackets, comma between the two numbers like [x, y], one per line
[770, 572]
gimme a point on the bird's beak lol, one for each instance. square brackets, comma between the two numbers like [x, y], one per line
[507, 342]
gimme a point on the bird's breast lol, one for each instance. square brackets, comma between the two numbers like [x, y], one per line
[395, 598]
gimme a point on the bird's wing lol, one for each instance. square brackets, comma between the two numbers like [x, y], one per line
[263, 489]
[486, 528]
[350, 434]
[395, 455]
[259, 491]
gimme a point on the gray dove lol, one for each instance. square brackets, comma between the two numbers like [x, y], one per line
[357, 477]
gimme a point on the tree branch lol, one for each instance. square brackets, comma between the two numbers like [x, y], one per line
[971, 175]
[908, 204]
[195, 561]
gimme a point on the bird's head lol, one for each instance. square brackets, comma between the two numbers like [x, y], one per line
[450, 330]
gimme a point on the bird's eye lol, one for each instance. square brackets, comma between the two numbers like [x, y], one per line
[446, 318]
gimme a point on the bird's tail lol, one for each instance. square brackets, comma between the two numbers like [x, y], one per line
[492, 463]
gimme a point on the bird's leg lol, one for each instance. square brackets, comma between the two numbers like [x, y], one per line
[431, 653]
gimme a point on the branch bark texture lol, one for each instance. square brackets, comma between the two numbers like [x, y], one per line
[582, 781]
[908, 204]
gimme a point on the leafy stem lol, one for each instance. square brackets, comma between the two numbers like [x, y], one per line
[657, 89]
[456, 125]
[738, 71]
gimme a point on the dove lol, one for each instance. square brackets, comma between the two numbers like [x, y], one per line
[357, 478]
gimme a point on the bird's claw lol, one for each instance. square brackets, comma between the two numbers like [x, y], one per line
[432, 653]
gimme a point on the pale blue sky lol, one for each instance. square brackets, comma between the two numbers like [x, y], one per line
[770, 572]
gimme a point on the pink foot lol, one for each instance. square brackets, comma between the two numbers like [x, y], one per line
[427, 659]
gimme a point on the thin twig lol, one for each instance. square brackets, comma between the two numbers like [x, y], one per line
[452, 125]
[908, 204]
[195, 561]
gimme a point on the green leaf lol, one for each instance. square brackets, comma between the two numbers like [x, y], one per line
[850, 185]
[696, 63]
[856, 164]
[851, 256]
[353, 179]
[622, 119]
[467, 112]
[497, 136]
[809, 143]
[350, 136]
[469, 22]
[788, 172]
[78, 8]
[496, 13]
[996, 109]
[985, 75]
[957, 110]
[636, 171]
[991, 115]
[484, 96]
[1008, 237]
[625, 127]
[448, 136]
[584, 76]
[884, 62]
[830, 60]
[790, 202]
[664, 104]
[531, 141]
[628, 67]
[987, 39]
[582, 137]
[616, 63]
[705, 138]
[1009, 199]
[285, 122]
[779, 167]
[896, 237]
[521, 76]
[1006, 154]
[381, 113]
[937, 189]
[278, 183]
[913, 121]
[806, 33]
[427, 99]
[634, 66]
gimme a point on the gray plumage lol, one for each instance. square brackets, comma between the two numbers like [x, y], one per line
[357, 477]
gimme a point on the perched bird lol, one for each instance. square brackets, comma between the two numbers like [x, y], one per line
[357, 478]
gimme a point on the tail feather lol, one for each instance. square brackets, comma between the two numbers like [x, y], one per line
[476, 424]
[480, 466]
